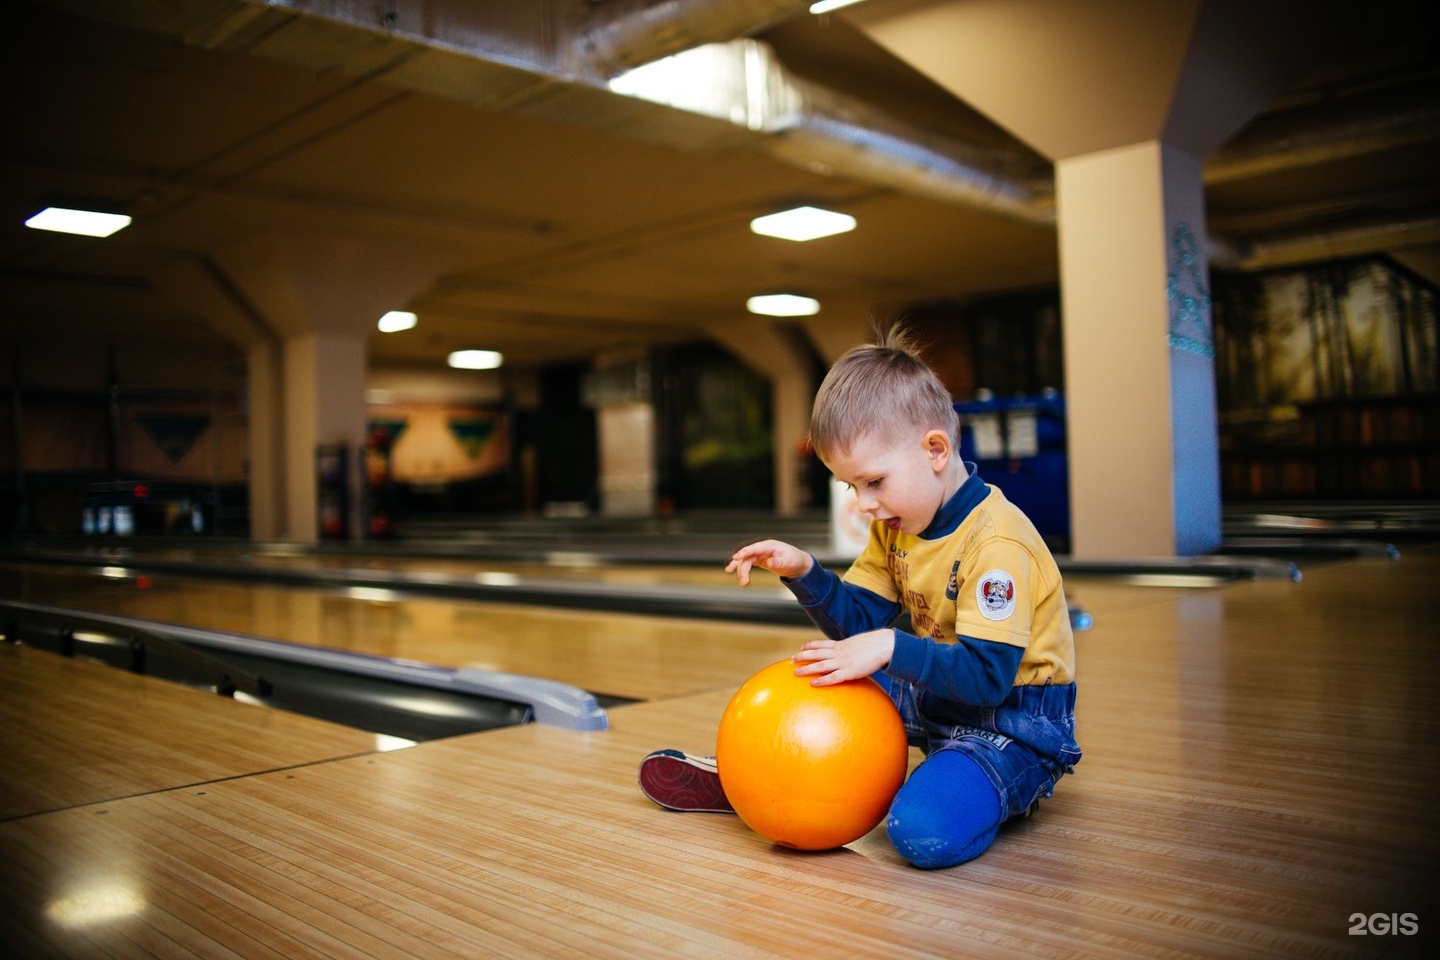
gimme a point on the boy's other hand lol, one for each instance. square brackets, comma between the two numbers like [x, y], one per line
[779, 558]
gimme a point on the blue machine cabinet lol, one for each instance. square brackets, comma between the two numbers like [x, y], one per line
[1018, 444]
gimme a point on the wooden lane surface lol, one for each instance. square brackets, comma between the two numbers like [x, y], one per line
[1266, 754]
[75, 732]
[582, 567]
[575, 565]
[627, 655]
[532, 842]
[1256, 774]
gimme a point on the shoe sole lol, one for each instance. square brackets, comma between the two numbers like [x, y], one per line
[680, 784]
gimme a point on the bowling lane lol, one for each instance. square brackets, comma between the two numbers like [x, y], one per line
[679, 589]
[1092, 591]
[586, 565]
[633, 656]
[74, 732]
[618, 654]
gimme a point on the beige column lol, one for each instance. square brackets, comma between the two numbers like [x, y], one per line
[1098, 87]
[1139, 377]
[324, 375]
[318, 296]
[765, 349]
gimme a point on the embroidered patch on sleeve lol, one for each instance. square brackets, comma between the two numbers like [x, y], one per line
[995, 595]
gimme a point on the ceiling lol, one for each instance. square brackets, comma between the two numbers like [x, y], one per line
[528, 209]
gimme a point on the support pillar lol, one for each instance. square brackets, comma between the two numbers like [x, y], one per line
[767, 350]
[317, 297]
[1133, 95]
[1139, 376]
[324, 403]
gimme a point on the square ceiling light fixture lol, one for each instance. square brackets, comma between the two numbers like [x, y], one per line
[395, 321]
[475, 359]
[783, 305]
[803, 223]
[86, 223]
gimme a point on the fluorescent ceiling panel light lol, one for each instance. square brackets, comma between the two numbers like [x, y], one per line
[825, 6]
[475, 359]
[395, 321]
[783, 305]
[86, 223]
[803, 223]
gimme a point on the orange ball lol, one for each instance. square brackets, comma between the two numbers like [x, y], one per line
[810, 767]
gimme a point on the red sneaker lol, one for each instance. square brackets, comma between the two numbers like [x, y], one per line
[678, 781]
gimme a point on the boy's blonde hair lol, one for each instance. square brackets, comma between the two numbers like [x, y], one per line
[876, 388]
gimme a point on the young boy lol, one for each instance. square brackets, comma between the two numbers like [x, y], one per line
[986, 680]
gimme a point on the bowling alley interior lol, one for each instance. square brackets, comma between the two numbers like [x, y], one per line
[386, 384]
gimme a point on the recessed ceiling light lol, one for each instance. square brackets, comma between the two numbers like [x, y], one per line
[783, 305]
[475, 359]
[825, 6]
[803, 223]
[86, 223]
[395, 321]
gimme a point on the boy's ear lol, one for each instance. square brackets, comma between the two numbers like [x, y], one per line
[938, 447]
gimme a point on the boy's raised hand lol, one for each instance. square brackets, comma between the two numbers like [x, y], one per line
[779, 558]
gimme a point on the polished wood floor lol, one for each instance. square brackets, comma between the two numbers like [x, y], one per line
[1258, 782]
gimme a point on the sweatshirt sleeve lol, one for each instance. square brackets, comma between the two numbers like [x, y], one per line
[838, 608]
[978, 672]
[974, 671]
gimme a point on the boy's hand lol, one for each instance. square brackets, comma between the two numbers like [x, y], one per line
[777, 557]
[835, 661]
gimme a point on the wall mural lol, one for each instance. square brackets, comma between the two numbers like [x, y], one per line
[472, 432]
[1353, 329]
[437, 443]
[181, 440]
[1328, 382]
[173, 434]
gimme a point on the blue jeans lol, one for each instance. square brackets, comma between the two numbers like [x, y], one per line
[983, 765]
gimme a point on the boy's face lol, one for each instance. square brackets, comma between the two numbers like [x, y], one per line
[898, 480]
